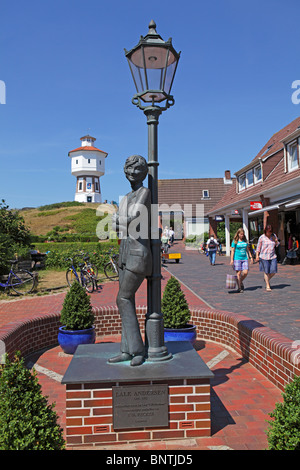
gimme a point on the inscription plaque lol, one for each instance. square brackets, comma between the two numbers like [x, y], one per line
[137, 406]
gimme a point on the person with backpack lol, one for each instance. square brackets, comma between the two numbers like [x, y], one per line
[239, 257]
[211, 247]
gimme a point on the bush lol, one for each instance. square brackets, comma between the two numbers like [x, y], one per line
[76, 313]
[27, 421]
[284, 430]
[14, 235]
[59, 252]
[175, 308]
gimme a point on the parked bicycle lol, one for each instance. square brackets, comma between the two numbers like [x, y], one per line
[90, 267]
[86, 279]
[21, 281]
[111, 269]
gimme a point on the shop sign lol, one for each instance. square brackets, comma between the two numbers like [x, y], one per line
[255, 205]
[235, 212]
[219, 218]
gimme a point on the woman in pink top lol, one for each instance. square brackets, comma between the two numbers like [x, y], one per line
[266, 255]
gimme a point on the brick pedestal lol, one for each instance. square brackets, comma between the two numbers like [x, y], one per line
[89, 395]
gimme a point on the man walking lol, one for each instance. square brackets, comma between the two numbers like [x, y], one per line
[212, 246]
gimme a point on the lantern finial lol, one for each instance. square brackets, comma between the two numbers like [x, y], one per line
[152, 27]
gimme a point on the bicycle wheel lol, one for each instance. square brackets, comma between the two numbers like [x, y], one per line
[71, 277]
[22, 282]
[110, 272]
[87, 281]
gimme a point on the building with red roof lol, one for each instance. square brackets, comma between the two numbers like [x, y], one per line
[88, 165]
[267, 190]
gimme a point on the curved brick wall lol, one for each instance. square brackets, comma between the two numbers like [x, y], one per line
[269, 352]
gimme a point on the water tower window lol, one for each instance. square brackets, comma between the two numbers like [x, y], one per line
[76, 162]
[89, 160]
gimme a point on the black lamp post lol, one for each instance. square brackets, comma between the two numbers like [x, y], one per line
[153, 64]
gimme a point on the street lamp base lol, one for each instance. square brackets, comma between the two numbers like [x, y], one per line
[155, 356]
[154, 333]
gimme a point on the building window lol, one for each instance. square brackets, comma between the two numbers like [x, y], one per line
[205, 194]
[242, 182]
[80, 186]
[249, 178]
[292, 154]
[89, 160]
[96, 186]
[76, 162]
[100, 162]
[257, 174]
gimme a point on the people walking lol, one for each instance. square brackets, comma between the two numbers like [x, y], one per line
[171, 236]
[211, 246]
[240, 254]
[293, 246]
[266, 254]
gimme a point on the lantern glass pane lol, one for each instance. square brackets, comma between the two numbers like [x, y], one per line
[138, 76]
[155, 79]
[169, 77]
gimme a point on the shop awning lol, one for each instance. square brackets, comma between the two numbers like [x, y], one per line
[267, 208]
[293, 204]
[288, 203]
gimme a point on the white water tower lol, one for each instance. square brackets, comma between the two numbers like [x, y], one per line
[88, 164]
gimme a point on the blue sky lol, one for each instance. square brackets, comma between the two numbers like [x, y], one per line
[66, 75]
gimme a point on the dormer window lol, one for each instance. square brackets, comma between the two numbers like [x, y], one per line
[242, 182]
[257, 174]
[292, 156]
[205, 194]
[249, 178]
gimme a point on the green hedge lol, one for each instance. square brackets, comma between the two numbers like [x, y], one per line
[58, 252]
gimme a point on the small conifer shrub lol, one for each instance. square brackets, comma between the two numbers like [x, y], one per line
[175, 308]
[76, 313]
[27, 421]
[284, 430]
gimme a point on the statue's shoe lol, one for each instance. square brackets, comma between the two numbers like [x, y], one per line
[120, 358]
[137, 360]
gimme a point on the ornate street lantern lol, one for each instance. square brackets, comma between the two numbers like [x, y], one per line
[153, 64]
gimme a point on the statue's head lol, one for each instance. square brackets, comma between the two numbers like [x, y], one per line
[136, 168]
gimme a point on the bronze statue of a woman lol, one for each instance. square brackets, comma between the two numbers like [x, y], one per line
[135, 260]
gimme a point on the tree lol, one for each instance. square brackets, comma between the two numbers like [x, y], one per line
[27, 421]
[13, 225]
[76, 313]
[13, 235]
[175, 308]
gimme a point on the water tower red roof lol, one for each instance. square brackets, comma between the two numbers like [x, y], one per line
[89, 148]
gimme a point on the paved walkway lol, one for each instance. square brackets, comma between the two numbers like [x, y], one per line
[242, 397]
[279, 309]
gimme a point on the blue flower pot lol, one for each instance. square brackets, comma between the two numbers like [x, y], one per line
[181, 334]
[70, 339]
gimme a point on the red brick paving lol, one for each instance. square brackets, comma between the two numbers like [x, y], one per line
[241, 401]
[241, 396]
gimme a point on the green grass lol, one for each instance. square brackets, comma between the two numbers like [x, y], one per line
[57, 205]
